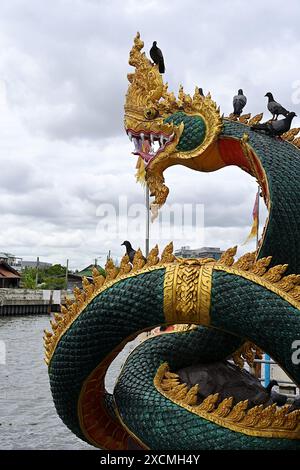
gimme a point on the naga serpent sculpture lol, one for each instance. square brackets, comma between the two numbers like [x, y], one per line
[238, 306]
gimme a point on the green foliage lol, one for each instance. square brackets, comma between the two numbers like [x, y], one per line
[28, 279]
[48, 278]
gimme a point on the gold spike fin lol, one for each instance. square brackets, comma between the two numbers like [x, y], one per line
[244, 118]
[180, 394]
[238, 411]
[227, 257]
[297, 142]
[167, 254]
[266, 417]
[111, 270]
[125, 266]
[232, 117]
[209, 403]
[152, 258]
[275, 274]
[288, 283]
[253, 415]
[79, 295]
[261, 265]
[224, 407]
[138, 260]
[63, 310]
[279, 416]
[54, 325]
[99, 281]
[192, 397]
[58, 317]
[48, 334]
[246, 353]
[88, 288]
[179, 391]
[291, 134]
[169, 384]
[171, 375]
[255, 119]
[295, 293]
[292, 419]
[245, 262]
[68, 302]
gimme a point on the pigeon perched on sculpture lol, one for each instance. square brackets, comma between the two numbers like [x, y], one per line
[275, 108]
[130, 251]
[239, 102]
[275, 128]
[157, 57]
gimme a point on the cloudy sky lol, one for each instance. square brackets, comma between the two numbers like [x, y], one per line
[65, 160]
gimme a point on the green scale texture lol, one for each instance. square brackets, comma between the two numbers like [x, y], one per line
[125, 308]
[194, 130]
[160, 423]
[281, 162]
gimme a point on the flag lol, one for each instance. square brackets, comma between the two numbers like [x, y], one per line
[254, 230]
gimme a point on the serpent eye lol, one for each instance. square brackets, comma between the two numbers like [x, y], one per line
[150, 113]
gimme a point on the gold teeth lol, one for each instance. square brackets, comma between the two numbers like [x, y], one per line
[71, 310]
[288, 287]
[261, 421]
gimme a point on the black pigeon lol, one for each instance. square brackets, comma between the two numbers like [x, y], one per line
[275, 108]
[275, 128]
[201, 91]
[157, 57]
[277, 398]
[295, 405]
[130, 251]
[239, 102]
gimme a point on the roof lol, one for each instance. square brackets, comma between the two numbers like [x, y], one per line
[88, 271]
[7, 271]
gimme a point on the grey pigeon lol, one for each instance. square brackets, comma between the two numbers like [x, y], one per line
[275, 108]
[277, 398]
[130, 251]
[157, 57]
[275, 128]
[295, 405]
[239, 102]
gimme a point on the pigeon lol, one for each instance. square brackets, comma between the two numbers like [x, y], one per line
[277, 398]
[275, 128]
[157, 57]
[275, 108]
[239, 102]
[295, 405]
[201, 91]
[130, 251]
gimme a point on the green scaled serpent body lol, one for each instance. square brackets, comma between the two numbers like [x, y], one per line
[255, 299]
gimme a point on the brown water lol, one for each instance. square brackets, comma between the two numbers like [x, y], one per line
[28, 419]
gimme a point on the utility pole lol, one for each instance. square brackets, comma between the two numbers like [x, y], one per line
[67, 273]
[37, 271]
[147, 196]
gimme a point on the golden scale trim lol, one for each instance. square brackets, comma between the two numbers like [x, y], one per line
[193, 280]
[271, 421]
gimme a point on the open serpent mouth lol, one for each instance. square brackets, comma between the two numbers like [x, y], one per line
[149, 144]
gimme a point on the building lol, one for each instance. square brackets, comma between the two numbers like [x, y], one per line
[9, 277]
[33, 264]
[88, 271]
[204, 252]
[11, 260]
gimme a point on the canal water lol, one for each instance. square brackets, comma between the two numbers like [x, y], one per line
[28, 419]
